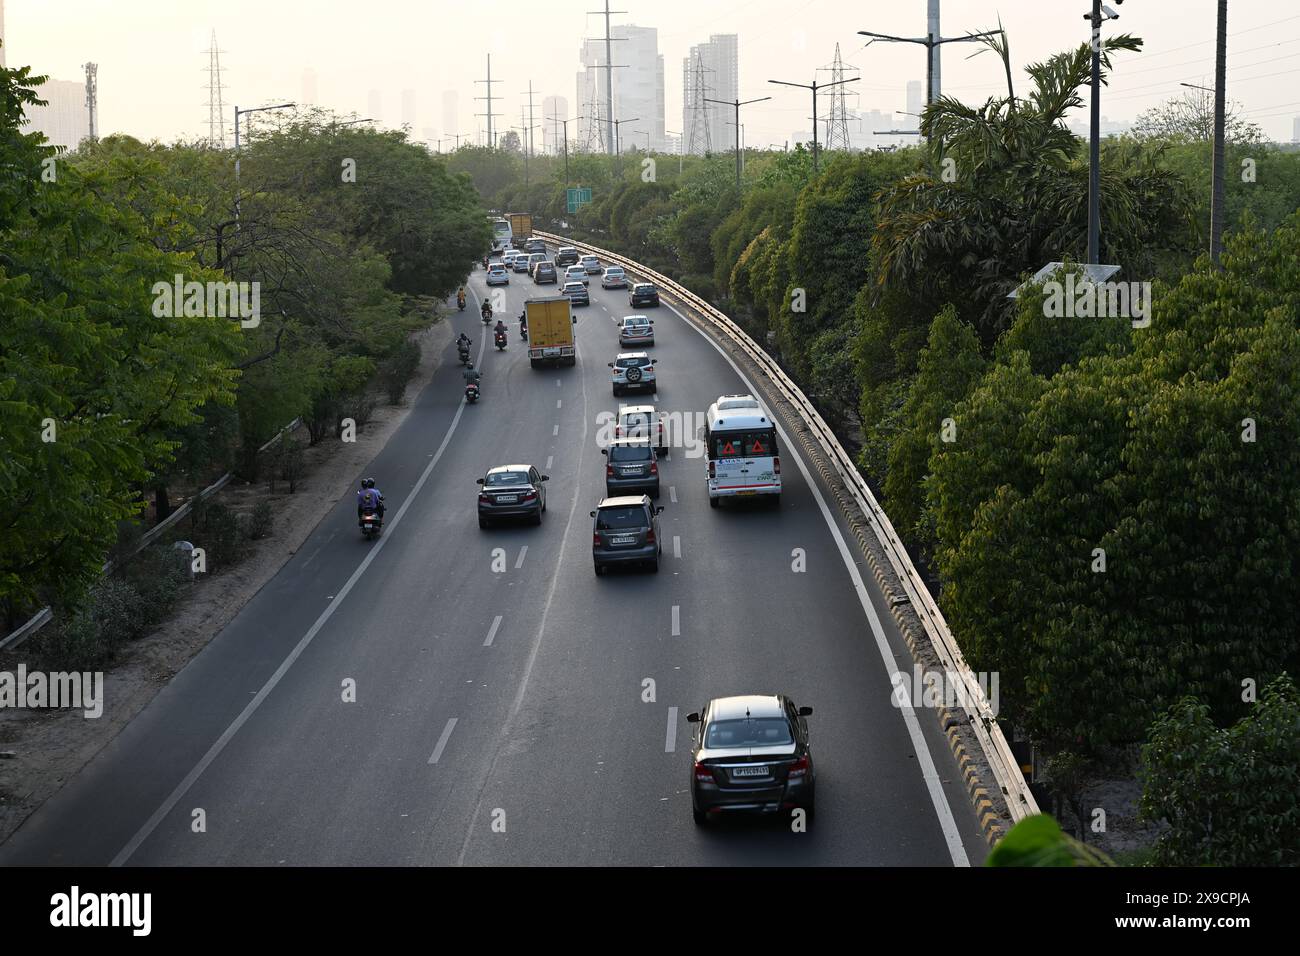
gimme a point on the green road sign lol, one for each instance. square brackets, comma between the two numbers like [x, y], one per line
[578, 197]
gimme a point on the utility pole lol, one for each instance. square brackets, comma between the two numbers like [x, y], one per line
[680, 140]
[565, 123]
[239, 113]
[814, 87]
[531, 127]
[491, 134]
[216, 108]
[1220, 81]
[932, 42]
[527, 135]
[738, 104]
[609, 75]
[1097, 16]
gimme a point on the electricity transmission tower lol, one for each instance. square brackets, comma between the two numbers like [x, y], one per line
[92, 96]
[216, 106]
[837, 124]
[595, 141]
[699, 139]
[491, 131]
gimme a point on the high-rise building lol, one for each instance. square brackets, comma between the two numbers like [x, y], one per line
[2, 33]
[309, 96]
[720, 62]
[638, 88]
[554, 108]
[1295, 130]
[408, 109]
[375, 107]
[65, 119]
[450, 113]
[915, 102]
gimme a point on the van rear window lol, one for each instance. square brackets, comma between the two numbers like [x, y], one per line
[760, 443]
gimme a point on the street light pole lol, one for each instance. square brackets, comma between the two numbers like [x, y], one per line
[738, 104]
[1220, 81]
[1097, 17]
[814, 86]
[671, 132]
[238, 113]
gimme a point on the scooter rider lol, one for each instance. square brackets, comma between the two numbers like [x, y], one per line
[369, 498]
[500, 328]
[463, 343]
[472, 375]
[460, 297]
[487, 310]
[523, 324]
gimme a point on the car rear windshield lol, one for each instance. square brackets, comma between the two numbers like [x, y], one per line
[630, 453]
[747, 444]
[574, 287]
[611, 519]
[643, 288]
[630, 323]
[614, 271]
[748, 732]
[507, 478]
[628, 363]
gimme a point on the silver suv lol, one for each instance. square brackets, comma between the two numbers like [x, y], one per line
[633, 371]
[625, 530]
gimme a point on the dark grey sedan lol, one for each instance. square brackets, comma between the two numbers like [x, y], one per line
[751, 754]
[632, 465]
[625, 530]
[512, 491]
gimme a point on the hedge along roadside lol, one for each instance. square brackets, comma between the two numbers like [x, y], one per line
[997, 752]
[45, 614]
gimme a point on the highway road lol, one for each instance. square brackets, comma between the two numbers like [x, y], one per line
[501, 716]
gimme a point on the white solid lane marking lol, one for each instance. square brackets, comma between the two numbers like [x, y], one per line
[677, 620]
[442, 741]
[672, 493]
[519, 563]
[492, 632]
[924, 759]
[670, 741]
[215, 750]
[677, 546]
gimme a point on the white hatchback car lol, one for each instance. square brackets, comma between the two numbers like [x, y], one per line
[641, 421]
[633, 371]
[636, 330]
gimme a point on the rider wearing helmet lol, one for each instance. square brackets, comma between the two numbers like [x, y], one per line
[500, 326]
[472, 375]
[464, 342]
[369, 498]
[523, 323]
[487, 309]
[460, 296]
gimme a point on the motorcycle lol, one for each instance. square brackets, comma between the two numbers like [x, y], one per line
[371, 524]
[500, 341]
[460, 304]
[471, 392]
[463, 352]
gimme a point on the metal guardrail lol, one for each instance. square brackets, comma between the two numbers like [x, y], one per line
[1005, 767]
[45, 615]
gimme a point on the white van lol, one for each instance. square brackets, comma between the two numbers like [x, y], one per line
[740, 445]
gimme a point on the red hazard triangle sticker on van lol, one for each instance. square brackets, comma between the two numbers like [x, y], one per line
[728, 449]
[758, 448]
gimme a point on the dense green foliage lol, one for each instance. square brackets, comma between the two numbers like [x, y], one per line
[110, 391]
[1231, 796]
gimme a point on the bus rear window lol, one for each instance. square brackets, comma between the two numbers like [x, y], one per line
[746, 444]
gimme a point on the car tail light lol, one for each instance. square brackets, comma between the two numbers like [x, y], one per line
[776, 465]
[485, 498]
[799, 768]
[528, 496]
[650, 536]
[654, 468]
[609, 471]
[713, 470]
[595, 539]
[703, 773]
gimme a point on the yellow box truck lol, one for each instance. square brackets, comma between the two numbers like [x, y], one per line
[521, 227]
[550, 331]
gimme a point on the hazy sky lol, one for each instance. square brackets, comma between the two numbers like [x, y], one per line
[152, 53]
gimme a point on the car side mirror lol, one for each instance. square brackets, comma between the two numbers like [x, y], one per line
[654, 361]
[805, 711]
[593, 514]
[478, 481]
[546, 477]
[604, 451]
[659, 510]
[693, 717]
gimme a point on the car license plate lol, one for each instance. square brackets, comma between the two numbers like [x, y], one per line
[507, 499]
[623, 539]
[631, 472]
[550, 352]
[749, 772]
[748, 491]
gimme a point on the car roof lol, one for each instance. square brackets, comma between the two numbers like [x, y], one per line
[634, 409]
[630, 441]
[499, 468]
[624, 501]
[639, 318]
[575, 286]
[732, 708]
[643, 285]
[589, 255]
[628, 355]
[612, 268]
[568, 249]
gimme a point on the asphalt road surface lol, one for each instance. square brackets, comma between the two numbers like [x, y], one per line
[503, 716]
